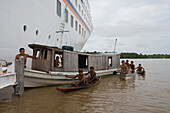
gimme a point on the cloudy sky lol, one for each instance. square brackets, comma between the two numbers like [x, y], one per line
[141, 26]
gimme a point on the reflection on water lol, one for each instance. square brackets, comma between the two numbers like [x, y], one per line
[148, 93]
[141, 77]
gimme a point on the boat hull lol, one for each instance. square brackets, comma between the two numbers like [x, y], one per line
[40, 79]
[73, 88]
[127, 76]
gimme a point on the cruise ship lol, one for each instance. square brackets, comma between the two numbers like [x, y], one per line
[57, 23]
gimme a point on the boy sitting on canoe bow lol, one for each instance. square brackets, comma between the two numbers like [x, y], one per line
[81, 78]
[140, 69]
[92, 75]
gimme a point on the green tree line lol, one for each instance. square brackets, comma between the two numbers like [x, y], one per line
[135, 55]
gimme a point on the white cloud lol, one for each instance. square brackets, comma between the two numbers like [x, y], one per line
[136, 24]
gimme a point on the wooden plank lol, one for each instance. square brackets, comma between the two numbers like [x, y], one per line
[19, 68]
[70, 62]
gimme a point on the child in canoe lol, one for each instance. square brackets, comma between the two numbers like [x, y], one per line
[92, 75]
[81, 78]
[140, 69]
[124, 68]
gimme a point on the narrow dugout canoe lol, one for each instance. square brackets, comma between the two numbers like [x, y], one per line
[68, 88]
[127, 76]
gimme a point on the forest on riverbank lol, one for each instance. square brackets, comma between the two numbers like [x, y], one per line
[135, 55]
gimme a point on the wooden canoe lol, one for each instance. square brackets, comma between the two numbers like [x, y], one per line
[127, 76]
[68, 88]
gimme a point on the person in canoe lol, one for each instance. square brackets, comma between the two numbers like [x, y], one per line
[127, 63]
[22, 53]
[132, 67]
[81, 78]
[124, 68]
[92, 75]
[140, 69]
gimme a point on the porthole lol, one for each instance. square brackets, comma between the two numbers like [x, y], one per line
[24, 28]
[49, 37]
[36, 32]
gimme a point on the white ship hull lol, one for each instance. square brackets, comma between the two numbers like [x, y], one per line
[41, 21]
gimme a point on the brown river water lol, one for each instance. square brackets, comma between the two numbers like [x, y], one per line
[143, 94]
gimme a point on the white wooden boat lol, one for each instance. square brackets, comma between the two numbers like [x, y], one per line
[127, 76]
[45, 73]
[33, 78]
[7, 79]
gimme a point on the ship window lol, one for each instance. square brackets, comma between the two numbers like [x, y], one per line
[82, 31]
[25, 28]
[37, 32]
[45, 54]
[58, 8]
[79, 8]
[37, 53]
[76, 25]
[79, 29]
[66, 15]
[72, 20]
[84, 34]
[76, 2]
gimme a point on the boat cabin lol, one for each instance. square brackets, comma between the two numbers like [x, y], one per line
[60, 60]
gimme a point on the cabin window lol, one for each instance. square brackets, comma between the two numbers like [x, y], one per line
[66, 15]
[76, 25]
[79, 29]
[72, 20]
[110, 61]
[58, 8]
[41, 54]
[58, 59]
[83, 61]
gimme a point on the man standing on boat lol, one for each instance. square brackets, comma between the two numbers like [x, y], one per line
[81, 78]
[92, 75]
[22, 53]
[124, 68]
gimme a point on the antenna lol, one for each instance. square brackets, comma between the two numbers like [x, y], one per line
[115, 46]
[62, 27]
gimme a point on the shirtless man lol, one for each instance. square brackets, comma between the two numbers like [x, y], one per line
[124, 67]
[132, 67]
[22, 53]
[92, 75]
[81, 78]
[140, 69]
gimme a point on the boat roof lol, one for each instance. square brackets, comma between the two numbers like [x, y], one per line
[32, 46]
